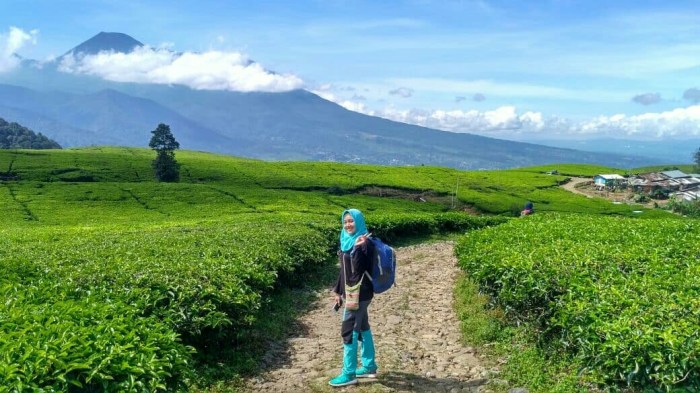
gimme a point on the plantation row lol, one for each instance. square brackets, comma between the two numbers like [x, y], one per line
[37, 204]
[123, 310]
[245, 184]
[623, 295]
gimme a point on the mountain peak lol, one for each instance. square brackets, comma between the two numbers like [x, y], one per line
[103, 41]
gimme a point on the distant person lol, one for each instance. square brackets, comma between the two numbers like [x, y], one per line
[353, 294]
[528, 209]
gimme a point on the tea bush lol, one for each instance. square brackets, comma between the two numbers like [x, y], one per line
[622, 294]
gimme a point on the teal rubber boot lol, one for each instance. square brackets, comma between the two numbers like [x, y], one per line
[347, 376]
[369, 366]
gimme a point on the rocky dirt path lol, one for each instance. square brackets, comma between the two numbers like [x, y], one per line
[418, 342]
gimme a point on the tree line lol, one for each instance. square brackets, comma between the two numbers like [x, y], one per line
[15, 136]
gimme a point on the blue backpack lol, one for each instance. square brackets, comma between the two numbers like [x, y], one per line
[383, 271]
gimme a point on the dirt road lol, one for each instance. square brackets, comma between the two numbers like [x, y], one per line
[418, 342]
[575, 181]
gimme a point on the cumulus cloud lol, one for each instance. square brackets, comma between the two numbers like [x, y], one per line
[692, 95]
[10, 43]
[498, 121]
[213, 70]
[647, 98]
[404, 92]
[681, 122]
[347, 104]
[507, 121]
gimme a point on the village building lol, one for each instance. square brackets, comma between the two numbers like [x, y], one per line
[687, 196]
[673, 183]
[666, 181]
[613, 180]
[674, 174]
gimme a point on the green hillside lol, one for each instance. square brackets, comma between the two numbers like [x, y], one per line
[114, 282]
[97, 186]
[14, 136]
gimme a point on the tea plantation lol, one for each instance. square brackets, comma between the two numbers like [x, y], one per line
[113, 282]
[623, 295]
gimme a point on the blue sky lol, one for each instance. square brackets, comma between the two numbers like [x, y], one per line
[510, 69]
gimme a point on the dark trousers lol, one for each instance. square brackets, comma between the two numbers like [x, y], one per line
[357, 320]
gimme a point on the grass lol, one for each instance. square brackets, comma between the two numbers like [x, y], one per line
[657, 168]
[580, 170]
[523, 362]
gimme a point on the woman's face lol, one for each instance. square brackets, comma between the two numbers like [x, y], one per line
[349, 224]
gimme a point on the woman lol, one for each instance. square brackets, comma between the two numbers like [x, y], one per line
[354, 255]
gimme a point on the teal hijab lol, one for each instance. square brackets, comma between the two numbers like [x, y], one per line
[347, 241]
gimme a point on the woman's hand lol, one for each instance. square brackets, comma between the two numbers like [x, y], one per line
[338, 299]
[361, 239]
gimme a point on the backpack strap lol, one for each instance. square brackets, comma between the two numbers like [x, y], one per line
[378, 261]
[345, 276]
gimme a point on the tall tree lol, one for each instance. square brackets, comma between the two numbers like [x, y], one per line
[696, 157]
[165, 167]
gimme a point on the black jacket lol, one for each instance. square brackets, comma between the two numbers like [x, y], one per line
[356, 264]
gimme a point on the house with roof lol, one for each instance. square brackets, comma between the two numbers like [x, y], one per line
[675, 174]
[612, 180]
[679, 181]
[688, 183]
[675, 183]
[687, 196]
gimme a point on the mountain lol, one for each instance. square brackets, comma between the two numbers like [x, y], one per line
[106, 117]
[115, 42]
[80, 110]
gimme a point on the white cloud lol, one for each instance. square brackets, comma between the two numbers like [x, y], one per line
[506, 122]
[681, 122]
[501, 120]
[9, 45]
[212, 70]
[347, 104]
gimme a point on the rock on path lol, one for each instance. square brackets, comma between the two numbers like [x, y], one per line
[418, 342]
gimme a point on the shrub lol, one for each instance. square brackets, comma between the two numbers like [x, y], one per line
[619, 293]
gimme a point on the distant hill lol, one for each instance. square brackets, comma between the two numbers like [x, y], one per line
[81, 110]
[14, 136]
